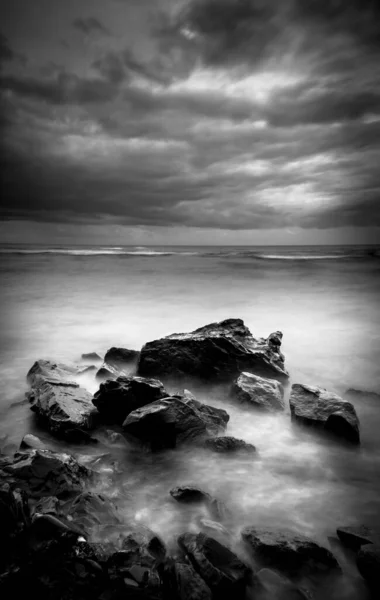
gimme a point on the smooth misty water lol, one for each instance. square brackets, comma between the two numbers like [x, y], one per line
[325, 300]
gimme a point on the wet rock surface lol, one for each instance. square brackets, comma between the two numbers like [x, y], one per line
[219, 351]
[278, 587]
[229, 445]
[356, 536]
[258, 392]
[172, 421]
[184, 583]
[287, 551]
[120, 357]
[368, 563]
[115, 400]
[318, 407]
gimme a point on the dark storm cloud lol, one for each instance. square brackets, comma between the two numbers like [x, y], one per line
[89, 25]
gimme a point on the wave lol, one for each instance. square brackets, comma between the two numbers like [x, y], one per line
[97, 252]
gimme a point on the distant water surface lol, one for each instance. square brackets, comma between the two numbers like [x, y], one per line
[60, 302]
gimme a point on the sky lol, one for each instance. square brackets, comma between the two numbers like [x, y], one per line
[190, 121]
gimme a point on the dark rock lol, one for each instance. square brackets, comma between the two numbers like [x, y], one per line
[368, 563]
[361, 394]
[287, 551]
[93, 356]
[355, 536]
[213, 528]
[90, 511]
[172, 421]
[107, 372]
[64, 407]
[229, 445]
[116, 399]
[318, 407]
[224, 573]
[279, 587]
[31, 442]
[217, 351]
[120, 357]
[186, 584]
[46, 473]
[258, 392]
[14, 512]
[48, 505]
[189, 494]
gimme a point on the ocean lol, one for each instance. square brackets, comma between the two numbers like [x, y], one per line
[57, 303]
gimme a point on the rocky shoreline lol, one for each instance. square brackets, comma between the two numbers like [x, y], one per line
[48, 514]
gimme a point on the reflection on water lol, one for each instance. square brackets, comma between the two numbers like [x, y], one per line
[61, 306]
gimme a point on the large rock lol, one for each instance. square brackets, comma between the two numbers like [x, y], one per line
[217, 351]
[91, 511]
[93, 356]
[120, 357]
[318, 407]
[356, 536]
[258, 392]
[184, 583]
[46, 473]
[224, 573]
[14, 512]
[229, 445]
[115, 400]
[65, 408]
[52, 371]
[189, 494]
[172, 421]
[368, 563]
[287, 551]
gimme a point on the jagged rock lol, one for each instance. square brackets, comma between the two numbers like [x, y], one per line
[184, 583]
[258, 392]
[48, 505]
[229, 445]
[107, 372]
[224, 573]
[279, 587]
[32, 442]
[46, 473]
[52, 371]
[318, 407]
[172, 421]
[120, 357]
[116, 399]
[368, 563]
[90, 510]
[356, 536]
[64, 407]
[93, 356]
[287, 551]
[217, 351]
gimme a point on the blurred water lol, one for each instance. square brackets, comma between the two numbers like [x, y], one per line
[326, 301]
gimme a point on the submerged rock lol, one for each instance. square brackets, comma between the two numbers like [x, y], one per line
[258, 392]
[115, 400]
[46, 473]
[368, 563]
[120, 357]
[316, 406]
[216, 351]
[356, 536]
[229, 445]
[224, 573]
[287, 551]
[172, 421]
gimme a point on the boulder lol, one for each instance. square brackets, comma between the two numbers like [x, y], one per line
[32, 442]
[229, 445]
[189, 494]
[318, 407]
[279, 587]
[219, 351]
[120, 357]
[115, 400]
[224, 573]
[48, 505]
[355, 536]
[258, 392]
[172, 421]
[368, 563]
[90, 511]
[184, 583]
[107, 372]
[65, 408]
[287, 551]
[46, 473]
[93, 356]
[52, 371]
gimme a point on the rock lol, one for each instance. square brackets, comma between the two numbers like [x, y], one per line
[115, 400]
[46, 473]
[287, 551]
[229, 445]
[212, 527]
[189, 494]
[356, 536]
[90, 511]
[14, 512]
[258, 392]
[218, 351]
[57, 372]
[48, 505]
[368, 563]
[31, 442]
[107, 372]
[279, 587]
[64, 407]
[318, 407]
[172, 421]
[93, 356]
[224, 573]
[361, 394]
[185, 583]
[120, 357]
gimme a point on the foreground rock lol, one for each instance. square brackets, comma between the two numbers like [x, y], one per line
[368, 563]
[224, 573]
[258, 392]
[171, 421]
[287, 551]
[184, 583]
[58, 372]
[356, 536]
[218, 351]
[120, 357]
[91, 511]
[318, 407]
[229, 445]
[46, 473]
[115, 400]
[280, 588]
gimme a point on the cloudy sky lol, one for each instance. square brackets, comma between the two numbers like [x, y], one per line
[190, 121]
